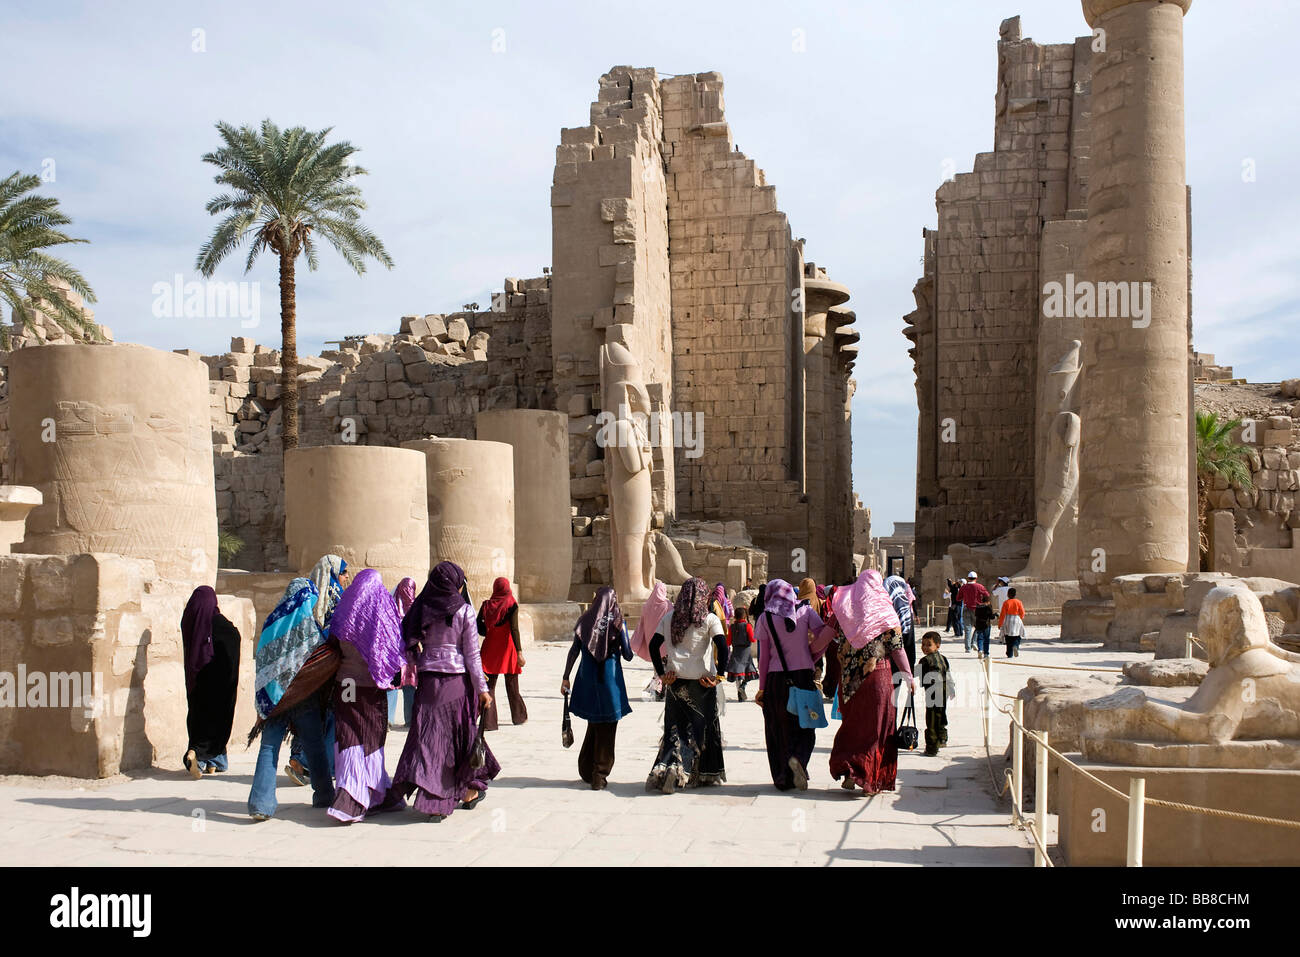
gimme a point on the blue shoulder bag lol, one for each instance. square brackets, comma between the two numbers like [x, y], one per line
[804, 704]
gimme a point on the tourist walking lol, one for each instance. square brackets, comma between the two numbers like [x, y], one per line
[211, 647]
[741, 668]
[720, 607]
[403, 596]
[599, 694]
[937, 688]
[656, 607]
[285, 692]
[791, 637]
[970, 595]
[810, 595]
[329, 576]
[865, 750]
[1011, 623]
[683, 648]
[902, 596]
[954, 608]
[983, 626]
[435, 765]
[372, 653]
[1000, 594]
[502, 652]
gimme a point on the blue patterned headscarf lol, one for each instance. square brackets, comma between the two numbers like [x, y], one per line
[325, 576]
[288, 637]
[900, 593]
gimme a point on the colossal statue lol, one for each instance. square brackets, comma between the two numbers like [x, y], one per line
[1058, 487]
[628, 463]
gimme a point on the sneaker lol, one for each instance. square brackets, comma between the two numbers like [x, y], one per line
[296, 773]
[799, 775]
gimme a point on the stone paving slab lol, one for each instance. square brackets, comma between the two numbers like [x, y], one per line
[539, 813]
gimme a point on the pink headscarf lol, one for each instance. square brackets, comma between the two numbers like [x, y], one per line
[720, 596]
[656, 606]
[864, 610]
[404, 596]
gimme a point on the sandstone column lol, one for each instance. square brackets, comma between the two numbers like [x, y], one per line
[543, 529]
[471, 488]
[117, 439]
[364, 503]
[819, 296]
[1133, 493]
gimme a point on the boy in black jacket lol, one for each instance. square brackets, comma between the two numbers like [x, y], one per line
[937, 686]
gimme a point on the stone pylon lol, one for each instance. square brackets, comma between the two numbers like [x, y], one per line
[1134, 466]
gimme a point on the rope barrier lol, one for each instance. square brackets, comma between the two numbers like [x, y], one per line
[1025, 664]
[1150, 802]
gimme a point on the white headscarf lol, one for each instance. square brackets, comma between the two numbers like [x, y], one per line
[325, 576]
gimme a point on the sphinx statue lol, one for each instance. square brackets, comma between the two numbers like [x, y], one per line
[1245, 712]
[1058, 486]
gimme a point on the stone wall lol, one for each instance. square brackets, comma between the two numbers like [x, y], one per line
[101, 635]
[609, 248]
[975, 330]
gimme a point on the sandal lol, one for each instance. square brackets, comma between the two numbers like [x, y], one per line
[469, 805]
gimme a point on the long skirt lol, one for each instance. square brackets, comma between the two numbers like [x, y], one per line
[212, 700]
[785, 738]
[865, 747]
[691, 746]
[831, 681]
[741, 667]
[360, 726]
[435, 761]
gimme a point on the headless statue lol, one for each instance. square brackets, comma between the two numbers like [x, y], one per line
[1058, 487]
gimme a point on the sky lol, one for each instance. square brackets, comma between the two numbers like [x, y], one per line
[854, 110]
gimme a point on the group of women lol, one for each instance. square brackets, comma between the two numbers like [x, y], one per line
[334, 647]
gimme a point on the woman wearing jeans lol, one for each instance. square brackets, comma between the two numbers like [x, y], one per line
[287, 640]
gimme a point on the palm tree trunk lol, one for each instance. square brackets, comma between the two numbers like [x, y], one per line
[288, 354]
[1202, 520]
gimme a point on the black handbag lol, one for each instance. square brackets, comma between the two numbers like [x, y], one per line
[907, 736]
[479, 756]
[566, 729]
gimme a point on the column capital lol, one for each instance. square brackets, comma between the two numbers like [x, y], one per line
[1094, 10]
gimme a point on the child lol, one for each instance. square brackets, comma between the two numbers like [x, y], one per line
[938, 687]
[1012, 623]
[983, 625]
[741, 667]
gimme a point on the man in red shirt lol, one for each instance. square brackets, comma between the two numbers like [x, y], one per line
[970, 595]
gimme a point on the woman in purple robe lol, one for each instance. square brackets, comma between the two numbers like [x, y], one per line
[369, 634]
[211, 647]
[441, 634]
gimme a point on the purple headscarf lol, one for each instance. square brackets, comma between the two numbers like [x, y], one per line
[440, 598]
[196, 632]
[404, 595]
[366, 615]
[601, 625]
[780, 598]
[691, 609]
[720, 596]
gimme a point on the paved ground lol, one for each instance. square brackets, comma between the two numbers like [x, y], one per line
[539, 813]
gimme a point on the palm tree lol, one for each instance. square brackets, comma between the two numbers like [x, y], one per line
[28, 226]
[288, 189]
[1217, 455]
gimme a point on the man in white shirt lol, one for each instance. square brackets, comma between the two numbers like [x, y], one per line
[1000, 595]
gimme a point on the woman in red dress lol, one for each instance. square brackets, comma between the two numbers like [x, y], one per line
[498, 619]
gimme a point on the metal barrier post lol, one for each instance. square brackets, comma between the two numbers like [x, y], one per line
[1040, 800]
[1137, 793]
[1188, 651]
[1018, 762]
